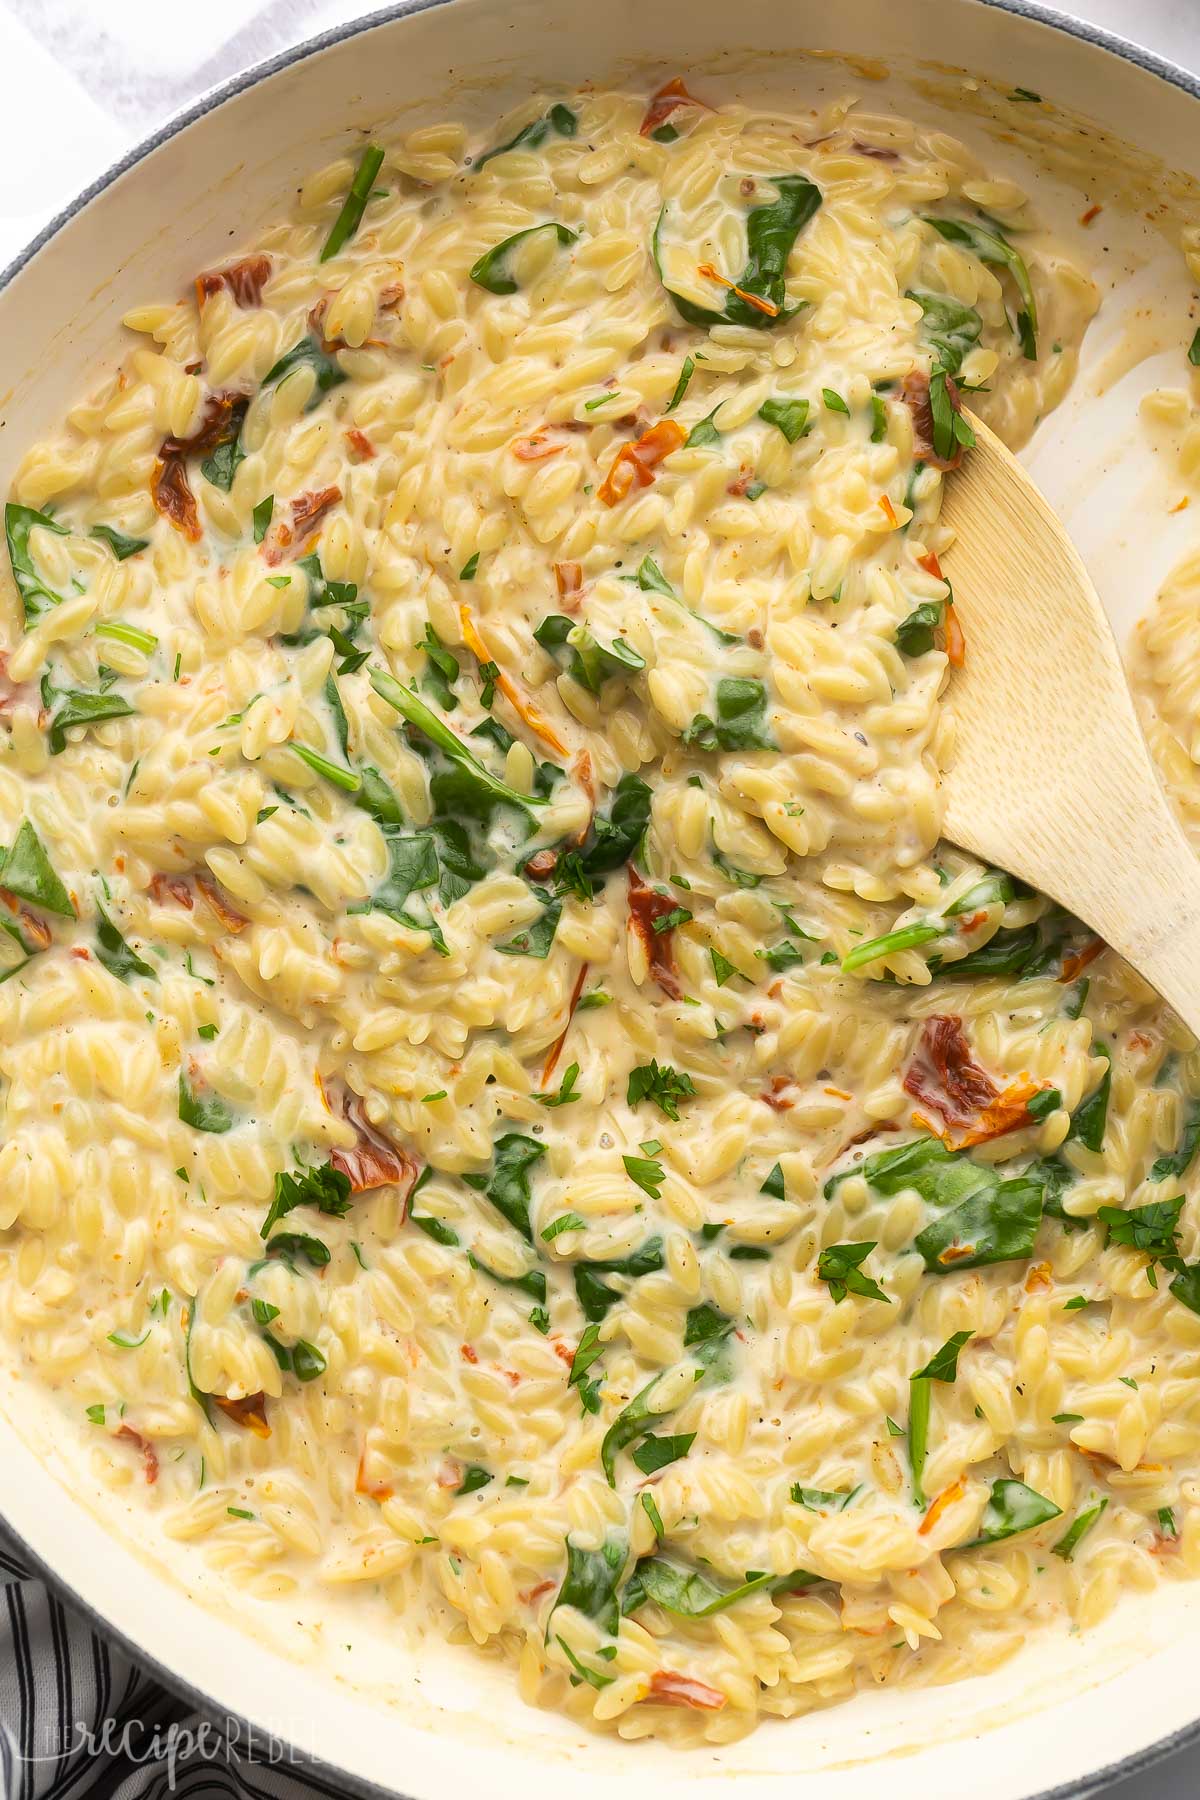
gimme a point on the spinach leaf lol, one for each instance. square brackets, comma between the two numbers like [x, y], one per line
[774, 1185]
[322, 591]
[990, 245]
[204, 1112]
[345, 779]
[435, 1229]
[950, 428]
[612, 840]
[914, 634]
[1007, 953]
[1055, 1178]
[743, 878]
[1090, 1119]
[593, 663]
[666, 1086]
[905, 937]
[590, 1583]
[704, 434]
[647, 1173]
[997, 1223]
[741, 722]
[788, 416]
[28, 950]
[1078, 1529]
[507, 1187]
[132, 635]
[377, 798]
[951, 328]
[224, 458]
[1012, 1507]
[536, 939]
[594, 1677]
[125, 1340]
[288, 1244]
[198, 1395]
[79, 708]
[19, 521]
[532, 1282]
[567, 1092]
[492, 271]
[631, 1423]
[120, 545]
[943, 1366]
[771, 233]
[355, 203]
[307, 1361]
[311, 351]
[443, 670]
[1076, 1000]
[1152, 1228]
[650, 578]
[941, 1176]
[723, 970]
[652, 1513]
[594, 1294]
[472, 785]
[686, 372]
[996, 888]
[838, 1265]
[822, 1500]
[690, 1594]
[588, 662]
[569, 1221]
[27, 872]
[706, 1324]
[560, 119]
[114, 953]
[413, 867]
[1177, 1162]
[708, 1329]
[1186, 1286]
[588, 1350]
[655, 1453]
[322, 1186]
[474, 1478]
[341, 724]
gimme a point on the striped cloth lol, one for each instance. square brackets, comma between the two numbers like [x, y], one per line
[78, 1718]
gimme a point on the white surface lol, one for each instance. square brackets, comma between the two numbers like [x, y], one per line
[80, 82]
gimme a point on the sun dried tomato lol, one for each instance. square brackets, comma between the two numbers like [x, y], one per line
[663, 103]
[637, 461]
[646, 906]
[250, 1412]
[914, 392]
[373, 1161]
[245, 280]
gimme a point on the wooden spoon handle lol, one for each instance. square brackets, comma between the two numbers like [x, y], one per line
[1125, 869]
[1159, 933]
[1052, 777]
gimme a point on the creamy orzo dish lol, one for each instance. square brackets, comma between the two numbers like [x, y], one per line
[507, 1104]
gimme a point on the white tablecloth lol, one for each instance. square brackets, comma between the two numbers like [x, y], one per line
[80, 82]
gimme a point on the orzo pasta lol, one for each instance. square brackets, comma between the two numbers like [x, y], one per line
[505, 1099]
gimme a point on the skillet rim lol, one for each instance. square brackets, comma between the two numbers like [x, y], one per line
[316, 1773]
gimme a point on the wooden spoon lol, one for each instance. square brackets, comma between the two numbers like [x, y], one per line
[1051, 778]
